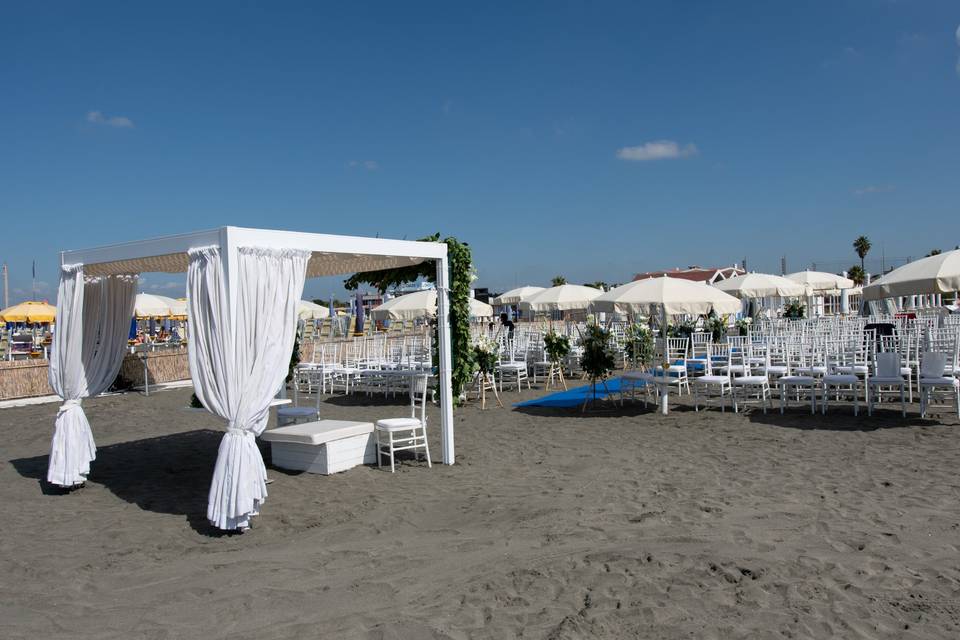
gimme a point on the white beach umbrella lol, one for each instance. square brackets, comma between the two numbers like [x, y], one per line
[664, 295]
[820, 282]
[307, 310]
[515, 296]
[480, 309]
[148, 305]
[933, 274]
[566, 297]
[760, 285]
[422, 304]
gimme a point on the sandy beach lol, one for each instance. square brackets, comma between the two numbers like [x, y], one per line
[553, 524]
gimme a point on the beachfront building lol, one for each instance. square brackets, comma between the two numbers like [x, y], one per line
[708, 275]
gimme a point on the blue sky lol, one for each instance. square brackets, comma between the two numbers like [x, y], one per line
[589, 139]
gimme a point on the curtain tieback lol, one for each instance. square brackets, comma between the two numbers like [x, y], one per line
[67, 405]
[237, 431]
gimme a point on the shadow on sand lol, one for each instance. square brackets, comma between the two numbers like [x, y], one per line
[166, 474]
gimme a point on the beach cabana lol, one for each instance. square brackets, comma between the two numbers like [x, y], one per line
[243, 286]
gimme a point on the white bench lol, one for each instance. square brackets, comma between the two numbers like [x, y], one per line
[327, 446]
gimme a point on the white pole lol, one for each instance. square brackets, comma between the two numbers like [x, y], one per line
[443, 350]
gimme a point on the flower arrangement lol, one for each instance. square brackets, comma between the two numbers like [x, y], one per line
[717, 326]
[598, 360]
[556, 346]
[639, 345]
[485, 354]
[743, 326]
[682, 329]
[794, 311]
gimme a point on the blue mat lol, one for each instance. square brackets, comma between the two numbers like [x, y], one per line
[573, 397]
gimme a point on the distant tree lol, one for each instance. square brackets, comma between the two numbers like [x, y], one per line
[934, 252]
[599, 284]
[857, 274]
[557, 281]
[862, 246]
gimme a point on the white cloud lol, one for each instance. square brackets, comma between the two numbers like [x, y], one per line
[98, 117]
[874, 188]
[369, 165]
[164, 286]
[657, 150]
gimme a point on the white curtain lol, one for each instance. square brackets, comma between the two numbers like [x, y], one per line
[89, 341]
[239, 354]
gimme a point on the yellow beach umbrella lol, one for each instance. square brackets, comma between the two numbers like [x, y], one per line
[29, 312]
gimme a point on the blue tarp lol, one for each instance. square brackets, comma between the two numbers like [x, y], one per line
[574, 397]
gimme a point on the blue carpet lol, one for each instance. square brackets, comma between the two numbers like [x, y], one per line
[573, 397]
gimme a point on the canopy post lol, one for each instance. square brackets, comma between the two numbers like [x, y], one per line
[443, 351]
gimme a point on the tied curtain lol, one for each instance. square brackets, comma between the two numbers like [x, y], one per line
[239, 354]
[90, 339]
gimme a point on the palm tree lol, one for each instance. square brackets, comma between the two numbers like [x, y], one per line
[857, 274]
[862, 246]
[557, 281]
[599, 284]
[934, 252]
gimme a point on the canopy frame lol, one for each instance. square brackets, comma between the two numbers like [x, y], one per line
[332, 255]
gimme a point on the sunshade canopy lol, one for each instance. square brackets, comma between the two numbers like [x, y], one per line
[760, 285]
[933, 274]
[566, 297]
[30, 311]
[422, 304]
[516, 296]
[148, 305]
[674, 296]
[307, 310]
[820, 282]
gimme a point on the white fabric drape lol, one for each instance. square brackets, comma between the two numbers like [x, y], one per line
[239, 354]
[93, 322]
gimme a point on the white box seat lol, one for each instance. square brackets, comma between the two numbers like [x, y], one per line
[326, 446]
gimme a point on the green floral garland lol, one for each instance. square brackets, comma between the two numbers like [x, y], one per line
[460, 263]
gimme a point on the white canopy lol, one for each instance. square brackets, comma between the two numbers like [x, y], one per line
[566, 297]
[422, 304]
[933, 274]
[820, 282]
[153, 306]
[673, 296]
[760, 285]
[515, 296]
[243, 285]
[307, 310]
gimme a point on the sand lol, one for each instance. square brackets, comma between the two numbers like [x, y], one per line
[553, 524]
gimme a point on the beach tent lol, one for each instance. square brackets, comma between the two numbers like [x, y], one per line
[307, 310]
[566, 297]
[665, 296]
[39, 312]
[242, 285]
[515, 296]
[422, 304]
[930, 275]
[148, 305]
[821, 283]
[760, 285]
